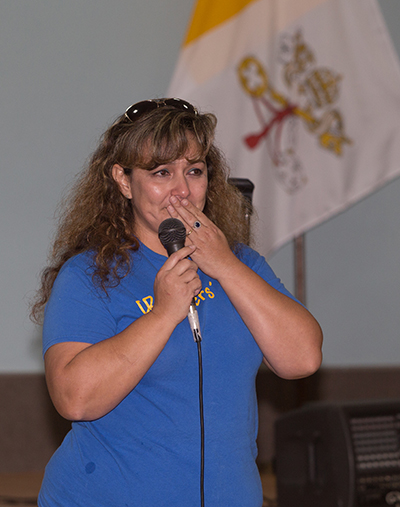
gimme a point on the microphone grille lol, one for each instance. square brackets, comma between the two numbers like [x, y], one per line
[170, 231]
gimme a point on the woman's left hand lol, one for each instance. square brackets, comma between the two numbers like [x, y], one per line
[213, 254]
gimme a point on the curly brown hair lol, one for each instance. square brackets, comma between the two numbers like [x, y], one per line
[97, 217]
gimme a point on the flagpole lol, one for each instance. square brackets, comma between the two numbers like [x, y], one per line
[300, 268]
[303, 389]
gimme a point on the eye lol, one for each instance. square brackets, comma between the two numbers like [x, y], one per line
[161, 172]
[197, 171]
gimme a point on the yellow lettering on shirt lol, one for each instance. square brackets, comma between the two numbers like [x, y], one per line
[146, 304]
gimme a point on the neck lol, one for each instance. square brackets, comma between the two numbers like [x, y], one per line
[153, 243]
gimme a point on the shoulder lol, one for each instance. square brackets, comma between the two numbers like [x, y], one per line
[79, 277]
[253, 259]
[83, 267]
[244, 252]
[259, 265]
[77, 310]
[79, 267]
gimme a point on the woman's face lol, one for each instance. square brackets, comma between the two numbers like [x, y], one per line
[150, 192]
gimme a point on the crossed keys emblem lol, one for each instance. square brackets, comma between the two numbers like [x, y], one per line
[315, 91]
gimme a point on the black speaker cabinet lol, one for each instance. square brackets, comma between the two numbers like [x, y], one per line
[339, 455]
[245, 186]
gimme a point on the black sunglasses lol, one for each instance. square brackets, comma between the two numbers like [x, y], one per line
[140, 108]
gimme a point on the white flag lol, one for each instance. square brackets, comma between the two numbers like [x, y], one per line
[307, 95]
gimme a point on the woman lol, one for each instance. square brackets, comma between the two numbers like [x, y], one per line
[119, 358]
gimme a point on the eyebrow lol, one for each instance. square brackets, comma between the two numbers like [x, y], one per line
[197, 161]
[190, 161]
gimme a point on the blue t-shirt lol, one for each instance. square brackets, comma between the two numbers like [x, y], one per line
[146, 451]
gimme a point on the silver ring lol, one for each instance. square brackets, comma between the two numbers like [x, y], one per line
[197, 225]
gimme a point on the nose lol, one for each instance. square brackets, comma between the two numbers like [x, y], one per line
[180, 186]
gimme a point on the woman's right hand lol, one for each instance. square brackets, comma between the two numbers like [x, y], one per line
[176, 284]
[86, 381]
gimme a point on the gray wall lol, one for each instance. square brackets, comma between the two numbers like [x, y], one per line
[67, 69]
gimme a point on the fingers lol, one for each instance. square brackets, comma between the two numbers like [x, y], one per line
[176, 283]
[187, 213]
[185, 270]
[179, 255]
[212, 251]
[181, 269]
[178, 267]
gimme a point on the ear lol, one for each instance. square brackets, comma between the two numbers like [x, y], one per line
[123, 180]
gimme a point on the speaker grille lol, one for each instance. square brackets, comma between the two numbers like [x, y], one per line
[376, 446]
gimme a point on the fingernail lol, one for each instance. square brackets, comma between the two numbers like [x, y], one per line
[184, 202]
[173, 199]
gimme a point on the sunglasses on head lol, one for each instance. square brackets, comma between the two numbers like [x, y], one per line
[140, 108]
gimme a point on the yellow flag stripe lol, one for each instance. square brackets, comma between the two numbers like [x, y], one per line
[210, 13]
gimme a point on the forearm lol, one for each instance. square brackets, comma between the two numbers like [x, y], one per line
[287, 334]
[87, 381]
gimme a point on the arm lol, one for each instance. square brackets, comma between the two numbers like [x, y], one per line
[86, 381]
[287, 334]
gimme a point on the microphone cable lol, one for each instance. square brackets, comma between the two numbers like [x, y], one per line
[194, 322]
[202, 436]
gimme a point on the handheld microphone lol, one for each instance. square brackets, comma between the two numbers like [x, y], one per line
[172, 234]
